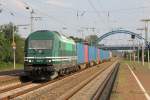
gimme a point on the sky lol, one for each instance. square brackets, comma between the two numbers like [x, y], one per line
[73, 17]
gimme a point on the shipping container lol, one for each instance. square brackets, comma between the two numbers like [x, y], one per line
[105, 54]
[95, 54]
[90, 53]
[101, 54]
[98, 54]
[92, 56]
[86, 53]
[80, 53]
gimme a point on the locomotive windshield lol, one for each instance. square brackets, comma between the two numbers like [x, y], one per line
[40, 44]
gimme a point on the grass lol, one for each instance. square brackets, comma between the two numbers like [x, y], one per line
[9, 66]
[138, 63]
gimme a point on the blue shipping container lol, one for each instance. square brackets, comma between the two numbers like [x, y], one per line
[95, 53]
[105, 54]
[80, 53]
[92, 53]
[101, 54]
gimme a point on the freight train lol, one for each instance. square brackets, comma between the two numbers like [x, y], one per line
[49, 54]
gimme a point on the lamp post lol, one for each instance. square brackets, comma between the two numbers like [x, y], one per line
[31, 17]
[146, 21]
[131, 49]
[13, 43]
[141, 29]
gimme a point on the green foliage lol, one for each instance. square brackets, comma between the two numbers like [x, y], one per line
[92, 39]
[19, 49]
[4, 48]
[6, 51]
[9, 66]
[8, 29]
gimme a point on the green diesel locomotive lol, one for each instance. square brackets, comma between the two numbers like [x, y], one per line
[47, 54]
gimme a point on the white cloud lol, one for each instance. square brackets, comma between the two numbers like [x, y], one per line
[19, 4]
[59, 3]
[16, 5]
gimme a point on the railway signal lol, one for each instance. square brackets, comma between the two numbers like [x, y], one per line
[14, 53]
[14, 47]
[133, 36]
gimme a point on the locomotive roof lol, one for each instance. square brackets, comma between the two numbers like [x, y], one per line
[65, 39]
[60, 36]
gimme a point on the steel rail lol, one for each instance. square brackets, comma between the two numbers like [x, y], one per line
[67, 95]
[105, 89]
[11, 96]
[14, 87]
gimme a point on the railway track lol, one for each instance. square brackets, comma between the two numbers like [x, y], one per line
[12, 72]
[104, 90]
[97, 87]
[56, 87]
[11, 78]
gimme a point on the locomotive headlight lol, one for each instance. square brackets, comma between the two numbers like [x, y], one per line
[49, 61]
[30, 61]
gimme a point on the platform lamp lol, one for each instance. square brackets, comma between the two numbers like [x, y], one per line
[13, 42]
[133, 38]
[146, 21]
[130, 52]
[141, 30]
[31, 17]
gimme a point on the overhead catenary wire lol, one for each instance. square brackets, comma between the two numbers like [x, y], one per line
[38, 11]
[102, 11]
[45, 15]
[94, 8]
[98, 13]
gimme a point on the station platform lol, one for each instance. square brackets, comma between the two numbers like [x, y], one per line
[132, 83]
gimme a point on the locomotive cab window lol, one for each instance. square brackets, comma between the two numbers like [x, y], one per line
[40, 44]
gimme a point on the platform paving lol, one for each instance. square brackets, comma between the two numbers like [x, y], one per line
[143, 73]
[126, 86]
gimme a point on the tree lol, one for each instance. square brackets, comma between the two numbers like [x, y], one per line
[4, 48]
[7, 29]
[91, 39]
[6, 51]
